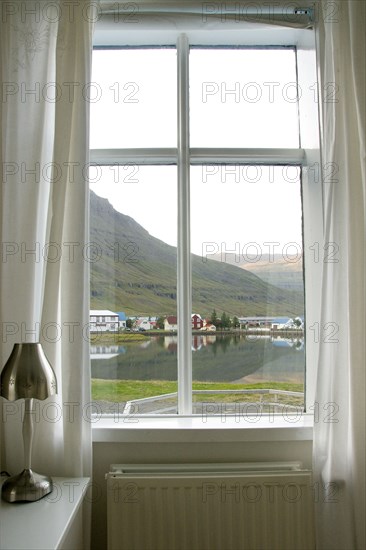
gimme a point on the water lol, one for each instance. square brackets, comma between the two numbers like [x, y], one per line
[216, 358]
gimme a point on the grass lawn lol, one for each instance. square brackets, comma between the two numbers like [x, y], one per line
[126, 390]
[110, 339]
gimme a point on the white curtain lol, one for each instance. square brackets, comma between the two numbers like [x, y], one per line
[339, 435]
[45, 67]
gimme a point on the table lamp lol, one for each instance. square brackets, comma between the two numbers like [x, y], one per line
[27, 375]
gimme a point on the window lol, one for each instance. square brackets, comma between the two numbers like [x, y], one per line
[201, 241]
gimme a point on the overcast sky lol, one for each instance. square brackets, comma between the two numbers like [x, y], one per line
[238, 98]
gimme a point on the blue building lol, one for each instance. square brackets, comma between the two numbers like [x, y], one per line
[122, 319]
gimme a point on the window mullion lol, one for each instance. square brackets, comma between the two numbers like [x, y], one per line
[158, 156]
[184, 283]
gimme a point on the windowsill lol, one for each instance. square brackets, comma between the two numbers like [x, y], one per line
[201, 430]
[54, 521]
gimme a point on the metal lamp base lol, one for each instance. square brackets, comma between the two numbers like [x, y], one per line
[26, 487]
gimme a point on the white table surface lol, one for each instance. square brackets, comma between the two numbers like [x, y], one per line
[43, 524]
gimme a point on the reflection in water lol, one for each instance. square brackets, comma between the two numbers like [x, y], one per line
[146, 344]
[296, 343]
[216, 358]
[105, 352]
[198, 341]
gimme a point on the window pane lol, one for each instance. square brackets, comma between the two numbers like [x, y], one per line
[243, 98]
[133, 274]
[133, 98]
[248, 292]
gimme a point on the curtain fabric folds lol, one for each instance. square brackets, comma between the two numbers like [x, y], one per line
[339, 433]
[45, 71]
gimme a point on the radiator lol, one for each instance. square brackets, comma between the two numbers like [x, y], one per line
[210, 507]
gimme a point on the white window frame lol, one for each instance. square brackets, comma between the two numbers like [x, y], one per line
[110, 34]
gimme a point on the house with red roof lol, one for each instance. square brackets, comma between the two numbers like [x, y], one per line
[197, 321]
[171, 323]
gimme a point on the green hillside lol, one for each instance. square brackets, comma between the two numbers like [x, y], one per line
[277, 270]
[136, 273]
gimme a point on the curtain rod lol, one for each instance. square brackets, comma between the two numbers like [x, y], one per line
[211, 9]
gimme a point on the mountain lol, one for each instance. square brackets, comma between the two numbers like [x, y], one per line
[134, 272]
[277, 269]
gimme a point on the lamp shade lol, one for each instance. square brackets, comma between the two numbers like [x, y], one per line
[27, 374]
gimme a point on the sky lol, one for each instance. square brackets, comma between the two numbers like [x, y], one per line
[238, 98]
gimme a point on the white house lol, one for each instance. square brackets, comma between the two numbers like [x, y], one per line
[143, 324]
[208, 327]
[103, 320]
[171, 323]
